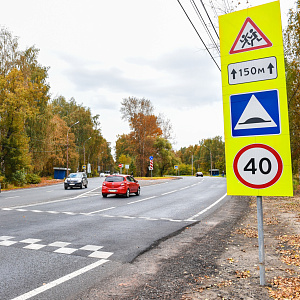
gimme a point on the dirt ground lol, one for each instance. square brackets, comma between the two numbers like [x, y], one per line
[218, 258]
[238, 271]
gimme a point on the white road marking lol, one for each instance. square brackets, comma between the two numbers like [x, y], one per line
[169, 192]
[184, 188]
[142, 200]
[61, 280]
[12, 197]
[53, 201]
[96, 211]
[206, 209]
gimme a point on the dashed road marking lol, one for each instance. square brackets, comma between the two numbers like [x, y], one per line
[94, 212]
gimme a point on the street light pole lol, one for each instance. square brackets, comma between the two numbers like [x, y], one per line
[84, 150]
[68, 147]
[210, 160]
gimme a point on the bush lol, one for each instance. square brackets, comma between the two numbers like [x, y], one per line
[3, 182]
[33, 179]
[18, 178]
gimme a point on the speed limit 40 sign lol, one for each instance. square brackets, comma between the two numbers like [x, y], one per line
[258, 166]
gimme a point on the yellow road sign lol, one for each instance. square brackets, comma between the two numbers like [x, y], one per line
[257, 141]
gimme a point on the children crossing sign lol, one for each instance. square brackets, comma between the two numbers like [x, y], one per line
[249, 38]
[257, 141]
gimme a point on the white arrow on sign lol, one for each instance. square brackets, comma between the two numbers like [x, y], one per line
[252, 70]
[258, 166]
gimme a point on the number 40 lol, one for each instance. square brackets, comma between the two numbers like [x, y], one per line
[263, 168]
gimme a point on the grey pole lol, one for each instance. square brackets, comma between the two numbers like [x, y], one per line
[261, 243]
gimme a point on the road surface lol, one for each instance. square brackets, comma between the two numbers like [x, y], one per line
[56, 243]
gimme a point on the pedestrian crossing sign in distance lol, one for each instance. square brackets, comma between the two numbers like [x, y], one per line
[257, 141]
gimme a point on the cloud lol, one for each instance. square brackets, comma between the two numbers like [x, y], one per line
[183, 78]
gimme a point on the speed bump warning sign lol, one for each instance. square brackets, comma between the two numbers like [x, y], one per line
[257, 141]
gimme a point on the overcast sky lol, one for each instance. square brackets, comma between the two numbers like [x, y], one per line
[100, 52]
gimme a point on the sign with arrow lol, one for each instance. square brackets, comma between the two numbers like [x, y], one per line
[252, 70]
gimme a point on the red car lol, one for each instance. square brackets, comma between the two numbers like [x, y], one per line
[120, 185]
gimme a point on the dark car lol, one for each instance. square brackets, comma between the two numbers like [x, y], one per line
[120, 185]
[76, 180]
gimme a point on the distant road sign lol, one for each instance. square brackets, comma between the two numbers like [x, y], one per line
[151, 165]
[151, 157]
[252, 70]
[176, 167]
[258, 166]
[120, 165]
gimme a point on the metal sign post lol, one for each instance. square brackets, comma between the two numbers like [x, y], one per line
[261, 243]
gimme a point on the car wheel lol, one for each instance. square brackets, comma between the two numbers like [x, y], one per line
[127, 193]
[80, 185]
[86, 186]
[138, 192]
[66, 187]
[104, 195]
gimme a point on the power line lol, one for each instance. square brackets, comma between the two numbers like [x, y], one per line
[199, 35]
[205, 25]
[212, 24]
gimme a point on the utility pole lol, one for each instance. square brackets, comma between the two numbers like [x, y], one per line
[68, 147]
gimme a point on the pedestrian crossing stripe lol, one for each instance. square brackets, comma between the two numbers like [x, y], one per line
[249, 38]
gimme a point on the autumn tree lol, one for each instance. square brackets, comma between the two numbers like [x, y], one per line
[292, 56]
[23, 102]
[89, 142]
[144, 127]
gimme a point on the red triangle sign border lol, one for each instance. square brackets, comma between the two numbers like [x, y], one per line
[249, 20]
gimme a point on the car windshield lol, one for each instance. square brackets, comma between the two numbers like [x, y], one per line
[75, 175]
[114, 179]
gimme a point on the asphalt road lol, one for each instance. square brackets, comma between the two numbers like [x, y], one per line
[56, 243]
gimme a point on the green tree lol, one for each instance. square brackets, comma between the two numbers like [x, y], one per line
[164, 158]
[292, 56]
[212, 153]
